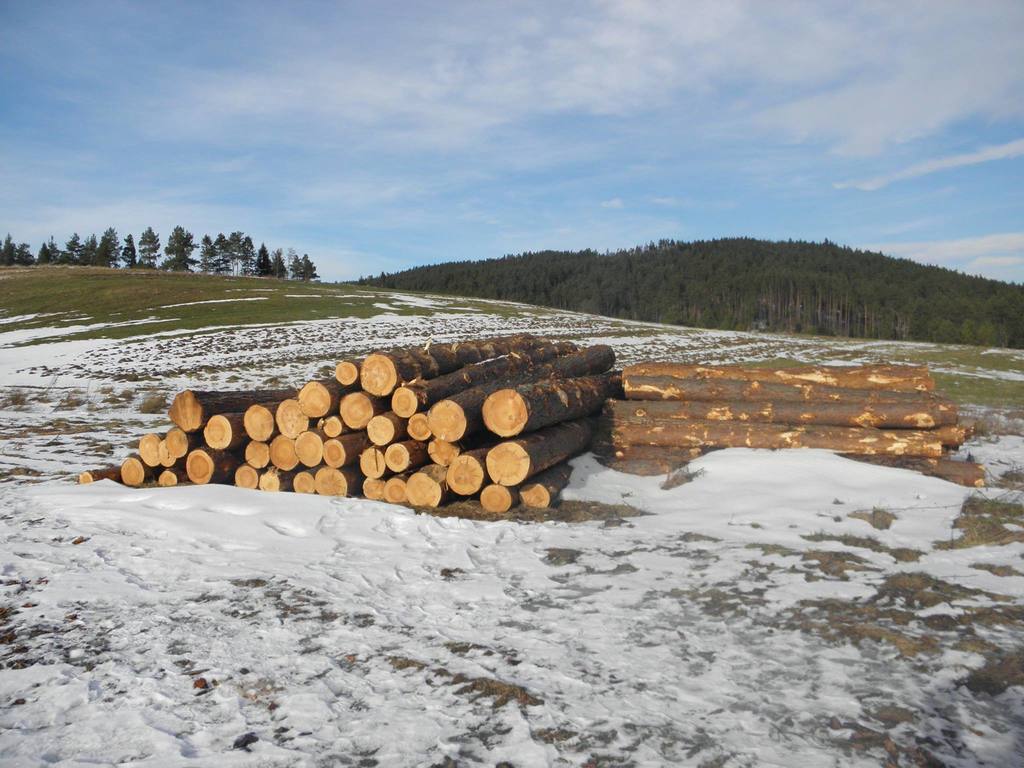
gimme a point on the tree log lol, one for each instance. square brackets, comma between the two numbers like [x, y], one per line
[509, 412]
[395, 491]
[191, 408]
[499, 498]
[275, 481]
[386, 428]
[512, 462]
[462, 415]
[304, 481]
[372, 463]
[309, 447]
[289, 418]
[321, 397]
[646, 460]
[731, 434]
[149, 449]
[427, 487]
[382, 372]
[225, 431]
[640, 387]
[171, 477]
[442, 452]
[951, 435]
[205, 465]
[247, 476]
[344, 481]
[357, 408]
[928, 412]
[179, 442]
[543, 489]
[345, 450]
[418, 427]
[965, 473]
[104, 473]
[259, 421]
[891, 378]
[135, 472]
[347, 372]
[467, 472]
[164, 457]
[421, 394]
[406, 455]
[373, 488]
[283, 454]
[332, 426]
[257, 454]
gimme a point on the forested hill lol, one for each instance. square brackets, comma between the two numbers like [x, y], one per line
[743, 284]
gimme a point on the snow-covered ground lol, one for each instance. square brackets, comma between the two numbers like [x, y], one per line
[777, 608]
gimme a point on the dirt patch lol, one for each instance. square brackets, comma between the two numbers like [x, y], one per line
[835, 564]
[900, 554]
[877, 518]
[997, 570]
[566, 512]
[983, 521]
[999, 673]
[919, 590]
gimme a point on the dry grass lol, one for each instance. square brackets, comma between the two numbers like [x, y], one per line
[877, 518]
[983, 522]
[15, 398]
[154, 404]
[900, 554]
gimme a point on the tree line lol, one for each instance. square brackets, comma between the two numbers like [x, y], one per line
[746, 284]
[233, 254]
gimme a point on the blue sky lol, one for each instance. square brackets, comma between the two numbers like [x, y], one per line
[376, 136]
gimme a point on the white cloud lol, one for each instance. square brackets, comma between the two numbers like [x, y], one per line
[988, 254]
[615, 202]
[986, 154]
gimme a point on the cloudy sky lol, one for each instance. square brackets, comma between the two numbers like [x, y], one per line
[381, 135]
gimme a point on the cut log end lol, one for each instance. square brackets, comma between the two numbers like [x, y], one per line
[257, 454]
[275, 481]
[358, 408]
[316, 399]
[134, 472]
[283, 454]
[205, 465]
[505, 413]
[178, 443]
[186, 411]
[332, 426]
[290, 419]
[404, 402]
[347, 372]
[149, 450]
[247, 476]
[95, 475]
[418, 427]
[395, 490]
[309, 448]
[336, 482]
[466, 475]
[499, 498]
[224, 431]
[372, 463]
[373, 488]
[344, 450]
[406, 455]
[508, 464]
[386, 429]
[427, 488]
[304, 482]
[171, 477]
[442, 452]
[378, 375]
[447, 421]
[259, 422]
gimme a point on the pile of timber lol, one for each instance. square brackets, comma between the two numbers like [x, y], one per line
[882, 414]
[490, 419]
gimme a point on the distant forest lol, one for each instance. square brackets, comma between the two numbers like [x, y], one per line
[746, 284]
[233, 254]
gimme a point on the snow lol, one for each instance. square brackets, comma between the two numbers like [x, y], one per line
[213, 301]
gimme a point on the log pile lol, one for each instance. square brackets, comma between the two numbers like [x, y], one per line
[883, 414]
[419, 426]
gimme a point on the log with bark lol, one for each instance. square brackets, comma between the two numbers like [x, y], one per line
[225, 431]
[289, 418]
[645, 460]
[499, 498]
[343, 481]
[321, 397]
[732, 434]
[358, 408]
[406, 455]
[275, 481]
[191, 408]
[459, 416]
[247, 476]
[427, 487]
[172, 476]
[967, 473]
[135, 472]
[421, 394]
[257, 454]
[283, 454]
[104, 473]
[345, 450]
[347, 372]
[205, 465]
[542, 490]
[386, 428]
[926, 413]
[332, 426]
[513, 461]
[467, 473]
[528, 407]
[382, 372]
[891, 378]
[442, 452]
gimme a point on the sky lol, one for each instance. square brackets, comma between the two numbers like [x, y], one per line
[377, 136]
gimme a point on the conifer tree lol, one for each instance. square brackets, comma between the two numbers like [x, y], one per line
[280, 270]
[263, 266]
[149, 248]
[294, 265]
[106, 252]
[8, 251]
[222, 263]
[308, 269]
[43, 256]
[207, 255]
[90, 248]
[247, 256]
[129, 256]
[72, 252]
[23, 255]
[179, 248]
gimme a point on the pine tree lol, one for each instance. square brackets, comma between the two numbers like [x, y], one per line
[106, 253]
[247, 256]
[8, 252]
[179, 248]
[23, 255]
[207, 255]
[308, 269]
[222, 263]
[129, 256]
[72, 252]
[263, 266]
[90, 248]
[280, 271]
[294, 265]
[149, 248]
[43, 256]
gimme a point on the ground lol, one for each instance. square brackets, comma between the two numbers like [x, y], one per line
[762, 608]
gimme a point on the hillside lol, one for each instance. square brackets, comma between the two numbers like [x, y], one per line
[746, 284]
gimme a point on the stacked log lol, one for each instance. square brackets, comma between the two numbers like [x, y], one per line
[885, 413]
